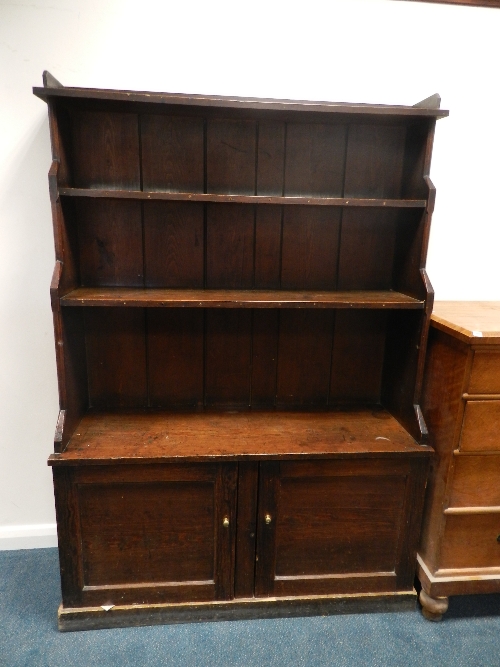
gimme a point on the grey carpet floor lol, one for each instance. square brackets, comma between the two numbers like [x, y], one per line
[30, 595]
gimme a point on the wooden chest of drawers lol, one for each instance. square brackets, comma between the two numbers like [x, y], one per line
[460, 545]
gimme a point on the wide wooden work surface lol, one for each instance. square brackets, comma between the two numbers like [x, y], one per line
[467, 320]
[145, 436]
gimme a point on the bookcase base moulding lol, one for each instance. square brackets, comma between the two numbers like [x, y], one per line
[241, 312]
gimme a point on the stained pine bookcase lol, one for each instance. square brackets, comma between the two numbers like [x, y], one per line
[241, 312]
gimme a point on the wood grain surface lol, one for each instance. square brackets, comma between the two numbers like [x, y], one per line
[106, 437]
[235, 298]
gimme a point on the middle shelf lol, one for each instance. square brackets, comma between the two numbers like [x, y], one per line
[235, 298]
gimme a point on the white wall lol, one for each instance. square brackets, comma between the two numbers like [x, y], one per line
[378, 51]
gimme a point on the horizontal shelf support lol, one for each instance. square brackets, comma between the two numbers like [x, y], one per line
[472, 510]
[241, 199]
[221, 298]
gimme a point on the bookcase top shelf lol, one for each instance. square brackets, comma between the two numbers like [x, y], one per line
[234, 103]
[232, 298]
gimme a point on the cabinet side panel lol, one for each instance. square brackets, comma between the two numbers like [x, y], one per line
[271, 158]
[116, 357]
[410, 528]
[105, 150]
[175, 356]
[444, 380]
[110, 243]
[310, 247]
[172, 153]
[315, 159]
[230, 246]
[228, 355]
[412, 227]
[374, 164]
[402, 352]
[73, 381]
[68, 535]
[358, 356]
[231, 153]
[367, 249]
[173, 244]
[419, 138]
[60, 138]
[304, 356]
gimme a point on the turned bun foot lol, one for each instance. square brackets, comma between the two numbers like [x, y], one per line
[433, 608]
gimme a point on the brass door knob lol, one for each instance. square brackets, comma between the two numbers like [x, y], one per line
[267, 519]
[225, 522]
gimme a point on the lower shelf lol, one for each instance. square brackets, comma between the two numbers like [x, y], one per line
[150, 436]
[93, 618]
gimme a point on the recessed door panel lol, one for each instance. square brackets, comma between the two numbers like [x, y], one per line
[333, 530]
[156, 533]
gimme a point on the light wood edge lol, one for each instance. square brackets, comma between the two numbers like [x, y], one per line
[88, 618]
[463, 334]
[472, 510]
[452, 576]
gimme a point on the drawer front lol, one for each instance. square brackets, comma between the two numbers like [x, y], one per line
[481, 426]
[485, 375]
[471, 541]
[476, 482]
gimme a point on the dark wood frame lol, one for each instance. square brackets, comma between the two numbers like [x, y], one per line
[241, 312]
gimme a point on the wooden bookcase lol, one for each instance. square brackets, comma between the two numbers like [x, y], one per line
[241, 312]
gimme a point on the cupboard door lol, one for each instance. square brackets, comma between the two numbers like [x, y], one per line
[145, 534]
[327, 527]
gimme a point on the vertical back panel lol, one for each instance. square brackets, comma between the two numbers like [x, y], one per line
[116, 357]
[231, 148]
[110, 242]
[173, 244]
[367, 249]
[230, 243]
[374, 164]
[264, 357]
[105, 150]
[358, 356]
[271, 158]
[267, 247]
[310, 247]
[175, 356]
[315, 157]
[172, 153]
[304, 354]
[228, 356]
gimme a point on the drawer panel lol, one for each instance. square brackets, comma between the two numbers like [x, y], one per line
[481, 426]
[476, 482]
[470, 541]
[485, 376]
